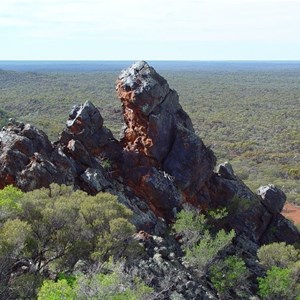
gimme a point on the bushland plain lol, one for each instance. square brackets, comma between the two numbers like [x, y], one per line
[247, 112]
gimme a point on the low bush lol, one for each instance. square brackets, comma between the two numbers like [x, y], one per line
[200, 241]
[277, 255]
[279, 283]
[229, 275]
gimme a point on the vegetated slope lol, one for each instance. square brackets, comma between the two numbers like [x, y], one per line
[250, 117]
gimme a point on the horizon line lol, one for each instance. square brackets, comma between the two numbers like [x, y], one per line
[156, 60]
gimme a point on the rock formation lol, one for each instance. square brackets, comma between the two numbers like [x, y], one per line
[29, 161]
[169, 160]
[158, 165]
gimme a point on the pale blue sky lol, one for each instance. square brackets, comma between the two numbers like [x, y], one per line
[150, 29]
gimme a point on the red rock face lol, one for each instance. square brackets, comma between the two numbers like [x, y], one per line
[140, 90]
[158, 130]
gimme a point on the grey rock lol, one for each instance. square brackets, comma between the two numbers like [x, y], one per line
[148, 86]
[84, 117]
[272, 198]
[189, 161]
[163, 251]
[226, 171]
[160, 227]
[95, 179]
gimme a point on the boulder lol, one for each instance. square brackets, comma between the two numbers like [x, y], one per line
[95, 180]
[272, 198]
[225, 170]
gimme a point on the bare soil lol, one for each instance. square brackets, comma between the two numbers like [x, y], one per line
[291, 212]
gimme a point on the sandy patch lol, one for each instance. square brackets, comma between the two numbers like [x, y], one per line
[291, 212]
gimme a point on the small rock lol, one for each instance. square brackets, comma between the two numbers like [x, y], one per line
[190, 285]
[226, 171]
[163, 251]
[158, 258]
[95, 179]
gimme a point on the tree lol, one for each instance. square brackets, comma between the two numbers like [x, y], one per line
[47, 231]
[67, 226]
[13, 236]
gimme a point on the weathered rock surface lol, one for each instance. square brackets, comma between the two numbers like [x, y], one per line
[272, 198]
[163, 269]
[86, 155]
[159, 134]
[28, 160]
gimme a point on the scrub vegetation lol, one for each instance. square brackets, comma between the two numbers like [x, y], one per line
[56, 243]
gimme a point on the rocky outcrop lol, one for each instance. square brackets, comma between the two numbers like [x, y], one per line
[86, 156]
[164, 270]
[157, 166]
[28, 160]
[160, 145]
[255, 216]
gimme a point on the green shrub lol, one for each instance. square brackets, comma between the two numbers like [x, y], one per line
[201, 242]
[191, 225]
[108, 282]
[111, 287]
[9, 202]
[202, 253]
[59, 290]
[277, 254]
[229, 274]
[69, 226]
[13, 236]
[279, 284]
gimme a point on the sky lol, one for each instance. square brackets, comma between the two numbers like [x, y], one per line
[150, 29]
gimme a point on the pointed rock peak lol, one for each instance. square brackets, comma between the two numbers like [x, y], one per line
[140, 85]
[85, 114]
[135, 68]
